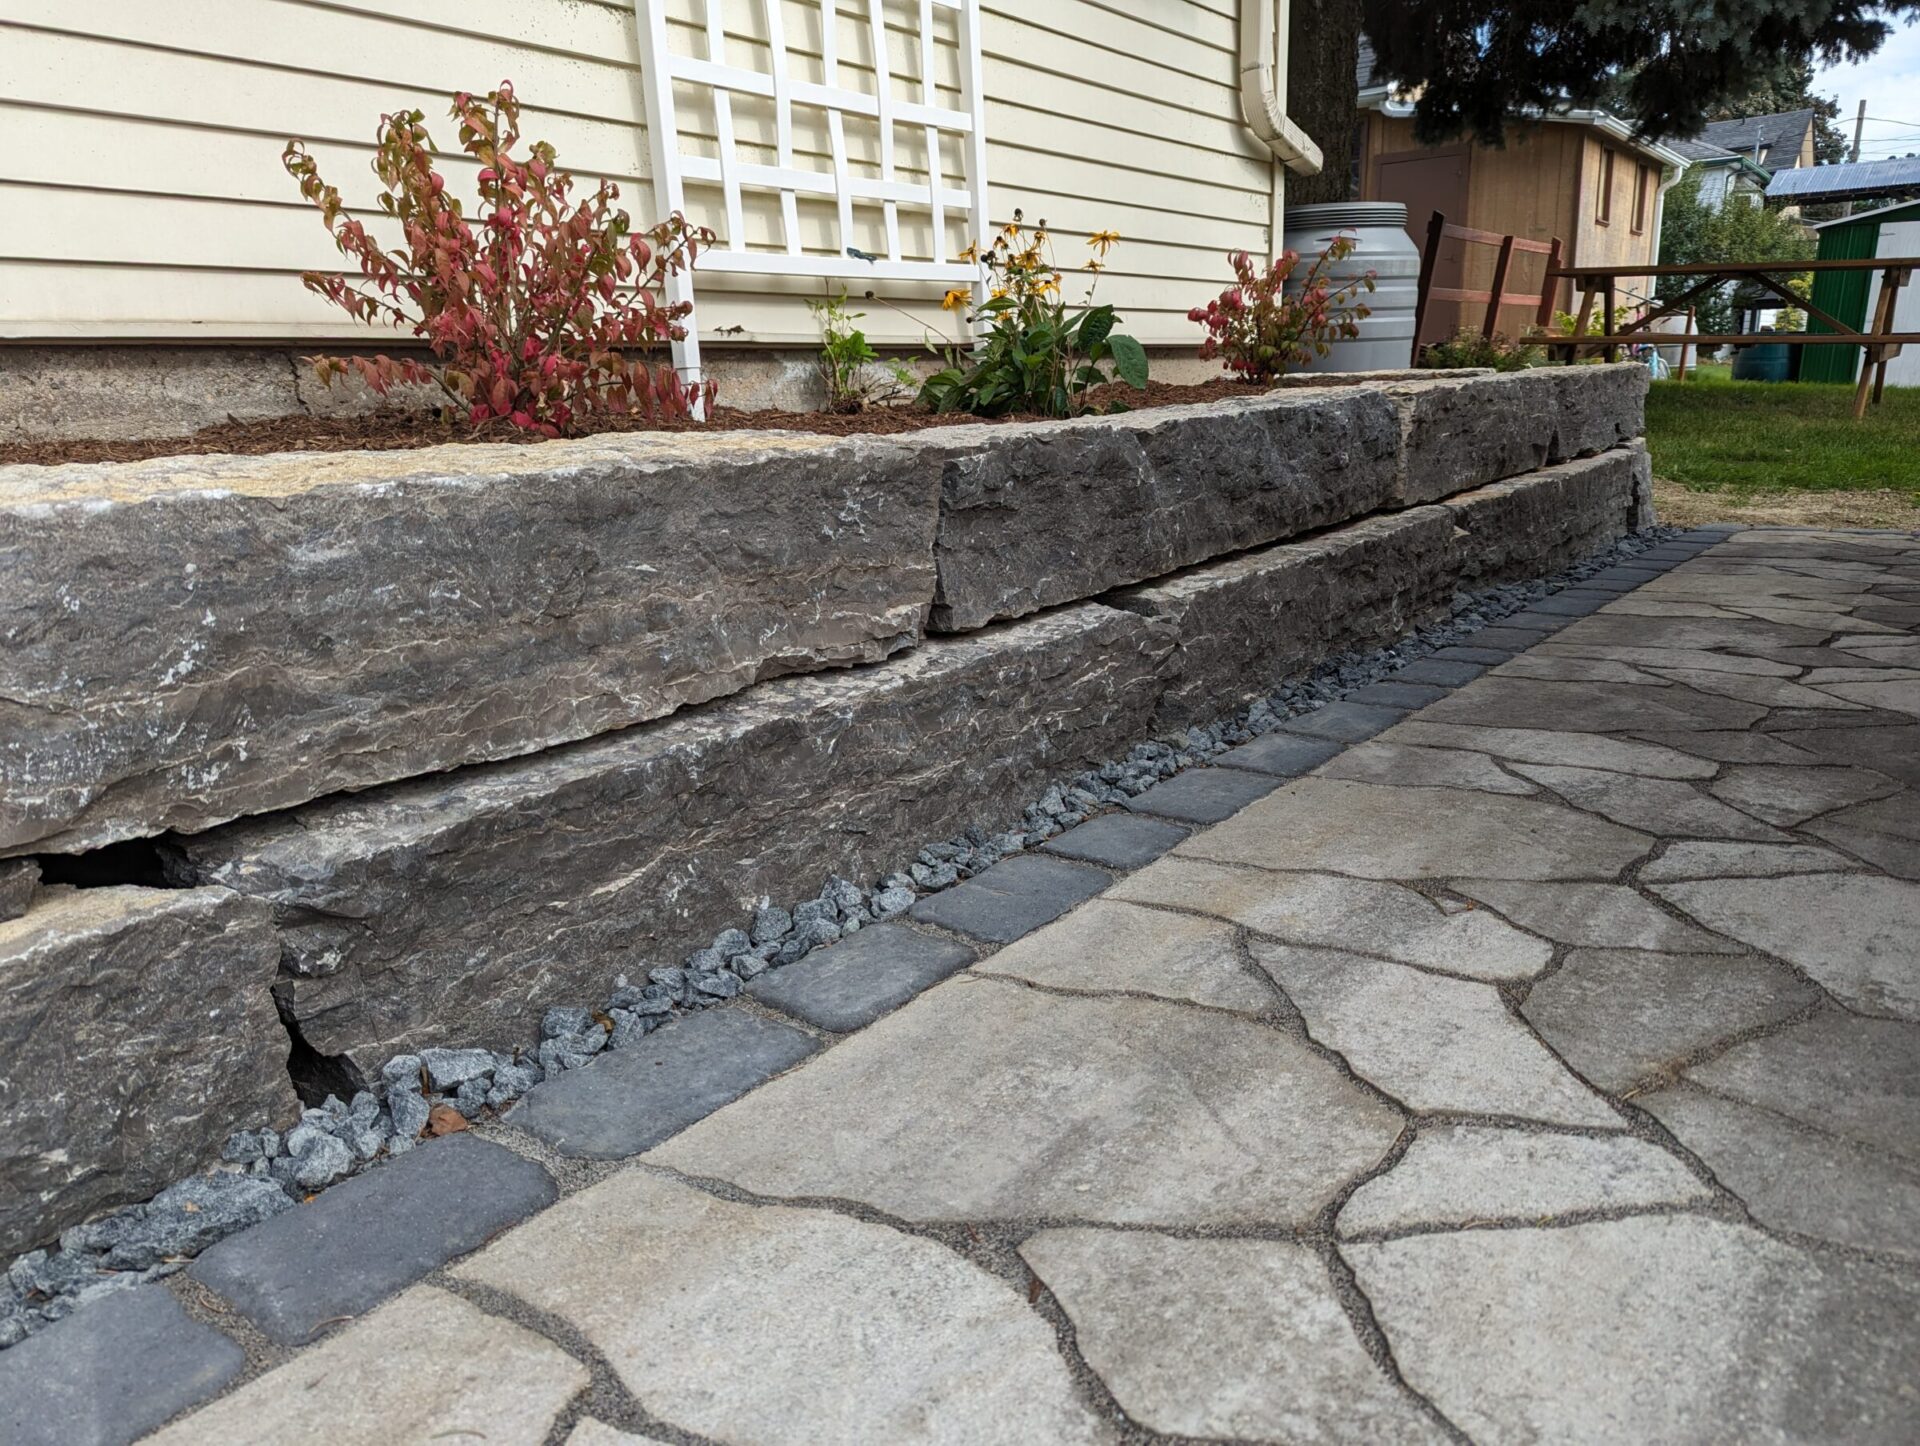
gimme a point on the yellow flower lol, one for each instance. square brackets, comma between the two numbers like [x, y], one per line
[972, 253]
[1011, 230]
[1096, 266]
[1103, 241]
[955, 299]
[999, 293]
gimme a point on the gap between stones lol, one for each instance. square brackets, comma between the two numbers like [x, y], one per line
[264, 1171]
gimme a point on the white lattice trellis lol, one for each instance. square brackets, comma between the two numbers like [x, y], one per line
[674, 166]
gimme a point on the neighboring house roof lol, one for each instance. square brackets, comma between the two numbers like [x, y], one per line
[1777, 139]
[1386, 98]
[1848, 180]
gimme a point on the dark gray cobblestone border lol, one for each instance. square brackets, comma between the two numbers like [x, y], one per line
[278, 1268]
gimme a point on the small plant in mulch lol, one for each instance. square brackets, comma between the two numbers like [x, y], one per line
[1468, 348]
[1039, 356]
[852, 372]
[542, 312]
[1261, 332]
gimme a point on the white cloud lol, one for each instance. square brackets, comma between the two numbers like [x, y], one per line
[1889, 82]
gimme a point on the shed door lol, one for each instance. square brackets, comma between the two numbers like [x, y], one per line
[1426, 181]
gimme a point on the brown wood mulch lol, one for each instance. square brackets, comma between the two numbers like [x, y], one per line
[388, 431]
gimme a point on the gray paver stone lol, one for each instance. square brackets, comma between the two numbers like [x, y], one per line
[372, 1236]
[1440, 672]
[1011, 898]
[1285, 755]
[1118, 840]
[1507, 638]
[1204, 795]
[111, 1372]
[854, 982]
[1345, 722]
[1483, 654]
[632, 1098]
[1399, 693]
[1574, 603]
[1536, 621]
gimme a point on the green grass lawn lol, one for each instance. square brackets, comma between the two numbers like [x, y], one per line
[1713, 434]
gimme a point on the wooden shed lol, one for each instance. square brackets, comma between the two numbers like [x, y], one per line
[1851, 296]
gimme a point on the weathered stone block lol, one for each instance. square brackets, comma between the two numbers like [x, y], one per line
[1467, 431]
[1050, 512]
[196, 638]
[1535, 524]
[137, 1028]
[455, 908]
[1246, 623]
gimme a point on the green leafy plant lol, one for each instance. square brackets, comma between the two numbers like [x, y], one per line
[853, 373]
[1468, 348]
[1038, 354]
[542, 312]
[1261, 331]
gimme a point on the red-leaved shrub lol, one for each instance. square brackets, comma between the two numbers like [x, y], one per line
[1261, 331]
[542, 311]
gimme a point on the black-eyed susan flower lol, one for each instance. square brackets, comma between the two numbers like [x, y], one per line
[1103, 241]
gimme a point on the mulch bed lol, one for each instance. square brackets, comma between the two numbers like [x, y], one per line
[389, 431]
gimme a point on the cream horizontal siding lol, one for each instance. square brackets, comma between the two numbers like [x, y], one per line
[142, 196]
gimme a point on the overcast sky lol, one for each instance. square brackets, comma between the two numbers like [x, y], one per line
[1889, 82]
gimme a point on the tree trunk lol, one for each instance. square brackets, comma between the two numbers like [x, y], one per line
[1322, 94]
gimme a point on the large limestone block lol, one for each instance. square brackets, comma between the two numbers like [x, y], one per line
[452, 909]
[1463, 432]
[1246, 623]
[1037, 514]
[137, 1028]
[197, 638]
[1542, 522]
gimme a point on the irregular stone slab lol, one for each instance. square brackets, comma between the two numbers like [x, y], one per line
[1345, 722]
[630, 1099]
[1732, 748]
[261, 631]
[596, 1433]
[453, 909]
[1894, 752]
[424, 1367]
[1049, 512]
[776, 1324]
[1011, 898]
[1659, 1328]
[1850, 1077]
[1699, 659]
[1354, 914]
[1204, 795]
[1796, 1178]
[1553, 668]
[1286, 755]
[1379, 832]
[1768, 692]
[852, 983]
[1116, 947]
[1691, 859]
[1414, 767]
[1461, 1175]
[1664, 806]
[1117, 840]
[1596, 916]
[1621, 1016]
[1788, 795]
[370, 1237]
[1735, 635]
[1548, 746]
[137, 1028]
[1899, 695]
[1248, 1338]
[1542, 522]
[1430, 1043]
[1244, 623]
[112, 1371]
[1499, 702]
[1852, 933]
[984, 1100]
[19, 880]
[1885, 834]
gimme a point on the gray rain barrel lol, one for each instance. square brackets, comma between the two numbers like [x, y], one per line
[1379, 229]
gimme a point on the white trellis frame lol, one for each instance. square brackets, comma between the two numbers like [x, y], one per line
[673, 166]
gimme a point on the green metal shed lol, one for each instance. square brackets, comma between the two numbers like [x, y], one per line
[1843, 294]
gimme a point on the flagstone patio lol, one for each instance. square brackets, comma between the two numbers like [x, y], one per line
[1543, 1066]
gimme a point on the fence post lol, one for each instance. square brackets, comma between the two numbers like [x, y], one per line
[1499, 288]
[1429, 258]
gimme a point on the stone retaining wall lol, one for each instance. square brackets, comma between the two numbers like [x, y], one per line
[436, 739]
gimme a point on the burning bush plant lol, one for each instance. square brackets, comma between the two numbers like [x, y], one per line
[541, 311]
[1260, 331]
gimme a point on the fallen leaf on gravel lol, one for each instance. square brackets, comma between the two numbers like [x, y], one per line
[445, 1120]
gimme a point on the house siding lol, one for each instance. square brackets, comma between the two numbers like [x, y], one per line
[142, 195]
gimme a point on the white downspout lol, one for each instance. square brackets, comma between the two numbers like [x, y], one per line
[1263, 89]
